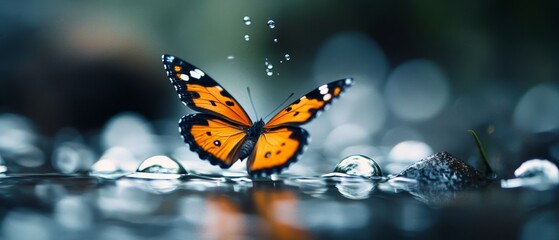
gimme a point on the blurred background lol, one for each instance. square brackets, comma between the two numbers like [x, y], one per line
[79, 79]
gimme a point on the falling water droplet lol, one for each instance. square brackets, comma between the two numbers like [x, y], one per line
[271, 24]
[161, 164]
[266, 62]
[269, 72]
[275, 40]
[247, 20]
[270, 66]
[287, 57]
[247, 37]
[281, 61]
[230, 57]
[358, 165]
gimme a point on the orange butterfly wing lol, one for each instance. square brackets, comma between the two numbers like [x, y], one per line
[212, 138]
[276, 149]
[282, 142]
[202, 93]
[307, 107]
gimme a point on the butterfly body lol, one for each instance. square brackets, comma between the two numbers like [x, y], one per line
[223, 133]
[252, 136]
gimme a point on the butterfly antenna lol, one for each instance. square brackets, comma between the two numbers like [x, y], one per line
[252, 103]
[288, 97]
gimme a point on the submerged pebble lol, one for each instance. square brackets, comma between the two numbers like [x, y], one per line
[358, 165]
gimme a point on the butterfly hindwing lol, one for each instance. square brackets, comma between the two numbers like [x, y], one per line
[276, 149]
[202, 93]
[307, 107]
[212, 138]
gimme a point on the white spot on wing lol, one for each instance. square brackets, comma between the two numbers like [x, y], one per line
[195, 74]
[199, 72]
[323, 89]
[348, 81]
[184, 77]
[327, 97]
[170, 58]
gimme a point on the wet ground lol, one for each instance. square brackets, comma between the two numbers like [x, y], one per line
[156, 204]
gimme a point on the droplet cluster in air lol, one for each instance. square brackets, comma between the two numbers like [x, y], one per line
[269, 67]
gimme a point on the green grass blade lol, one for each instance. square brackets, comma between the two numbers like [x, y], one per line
[481, 152]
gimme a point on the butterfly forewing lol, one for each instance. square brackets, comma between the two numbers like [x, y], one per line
[212, 138]
[202, 93]
[276, 149]
[306, 108]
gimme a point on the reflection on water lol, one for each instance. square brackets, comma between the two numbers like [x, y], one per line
[335, 205]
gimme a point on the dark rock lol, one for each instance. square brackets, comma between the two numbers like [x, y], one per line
[444, 172]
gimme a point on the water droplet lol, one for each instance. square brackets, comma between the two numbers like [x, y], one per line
[287, 57]
[536, 173]
[358, 165]
[270, 66]
[3, 167]
[230, 57]
[162, 165]
[271, 24]
[247, 37]
[247, 20]
[269, 72]
[275, 40]
[266, 62]
[281, 61]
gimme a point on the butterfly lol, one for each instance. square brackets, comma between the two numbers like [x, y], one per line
[222, 132]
